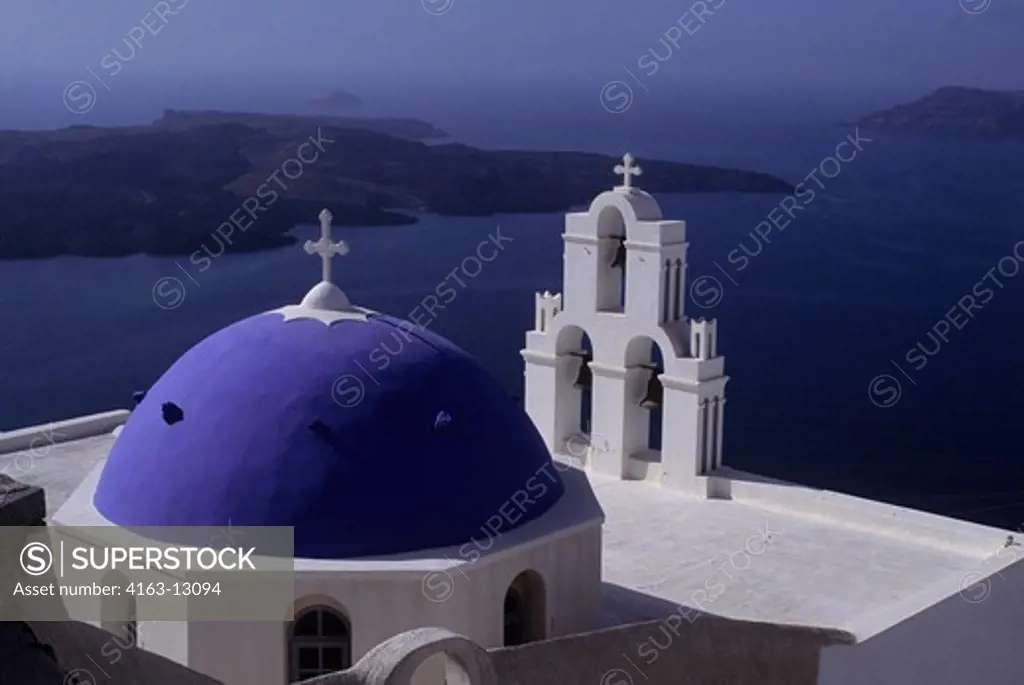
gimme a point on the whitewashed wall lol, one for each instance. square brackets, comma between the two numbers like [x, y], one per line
[973, 637]
[378, 609]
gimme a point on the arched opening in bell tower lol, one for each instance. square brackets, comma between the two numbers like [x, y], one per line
[644, 410]
[610, 289]
[653, 399]
[574, 392]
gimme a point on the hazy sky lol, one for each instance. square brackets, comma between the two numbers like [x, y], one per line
[836, 43]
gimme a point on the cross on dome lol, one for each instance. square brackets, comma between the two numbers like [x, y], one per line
[325, 302]
[627, 170]
[324, 247]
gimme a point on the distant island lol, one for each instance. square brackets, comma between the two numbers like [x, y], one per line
[165, 187]
[338, 100]
[285, 125]
[955, 110]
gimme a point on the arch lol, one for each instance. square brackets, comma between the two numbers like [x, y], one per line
[644, 361]
[312, 601]
[573, 405]
[397, 661]
[570, 338]
[635, 205]
[319, 642]
[524, 610]
[610, 288]
[611, 222]
[643, 349]
[119, 613]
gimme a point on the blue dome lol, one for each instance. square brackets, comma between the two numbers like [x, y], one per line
[369, 437]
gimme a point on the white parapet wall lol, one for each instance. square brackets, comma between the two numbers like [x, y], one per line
[971, 636]
[62, 431]
[856, 512]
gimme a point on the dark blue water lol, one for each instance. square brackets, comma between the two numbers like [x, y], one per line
[838, 298]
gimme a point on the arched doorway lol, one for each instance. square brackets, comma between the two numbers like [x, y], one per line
[644, 410]
[319, 642]
[574, 392]
[525, 610]
[611, 255]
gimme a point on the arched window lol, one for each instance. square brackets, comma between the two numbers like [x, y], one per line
[525, 610]
[320, 643]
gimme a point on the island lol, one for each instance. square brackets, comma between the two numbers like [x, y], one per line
[956, 110]
[164, 188]
[284, 125]
[337, 100]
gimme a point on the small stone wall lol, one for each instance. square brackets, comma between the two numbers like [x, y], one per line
[707, 651]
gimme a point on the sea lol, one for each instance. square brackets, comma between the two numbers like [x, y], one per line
[873, 343]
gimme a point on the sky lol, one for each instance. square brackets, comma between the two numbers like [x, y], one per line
[741, 43]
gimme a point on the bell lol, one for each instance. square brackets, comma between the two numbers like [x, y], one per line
[619, 260]
[652, 398]
[584, 377]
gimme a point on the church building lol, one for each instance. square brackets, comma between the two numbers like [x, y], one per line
[423, 495]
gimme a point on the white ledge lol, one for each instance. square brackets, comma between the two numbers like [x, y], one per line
[581, 239]
[541, 358]
[686, 384]
[608, 370]
[637, 246]
[62, 431]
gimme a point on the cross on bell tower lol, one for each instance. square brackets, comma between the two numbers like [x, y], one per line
[627, 171]
[324, 247]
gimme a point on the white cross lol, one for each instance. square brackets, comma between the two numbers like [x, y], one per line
[627, 170]
[324, 247]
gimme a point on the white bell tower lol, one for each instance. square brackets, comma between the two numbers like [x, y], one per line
[647, 369]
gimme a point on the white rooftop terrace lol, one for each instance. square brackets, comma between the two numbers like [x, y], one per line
[669, 552]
